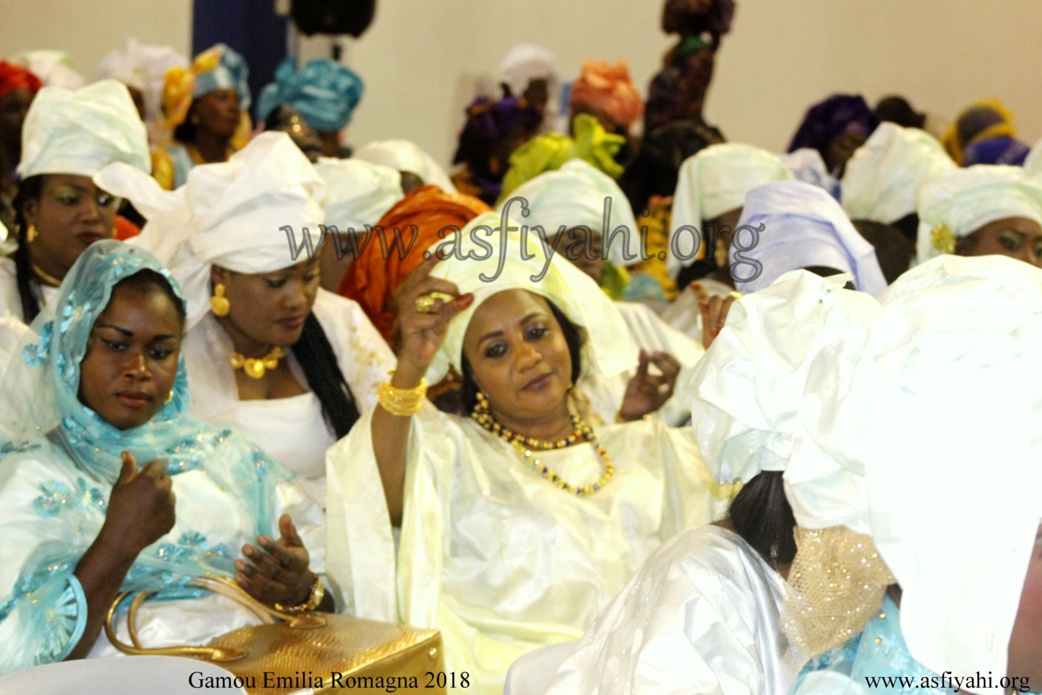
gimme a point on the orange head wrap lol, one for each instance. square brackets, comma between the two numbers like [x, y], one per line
[374, 276]
[609, 89]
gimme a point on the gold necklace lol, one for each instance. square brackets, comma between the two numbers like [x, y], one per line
[256, 368]
[45, 277]
[581, 433]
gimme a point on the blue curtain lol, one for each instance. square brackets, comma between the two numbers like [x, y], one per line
[251, 27]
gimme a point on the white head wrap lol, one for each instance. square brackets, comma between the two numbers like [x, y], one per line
[807, 166]
[80, 132]
[747, 388]
[791, 224]
[716, 180]
[882, 179]
[524, 63]
[357, 193]
[957, 203]
[574, 196]
[54, 68]
[938, 404]
[403, 155]
[248, 214]
[144, 67]
[515, 259]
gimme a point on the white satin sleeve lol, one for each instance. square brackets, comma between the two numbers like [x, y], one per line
[701, 616]
[363, 355]
[360, 551]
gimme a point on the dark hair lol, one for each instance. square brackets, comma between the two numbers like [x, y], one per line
[762, 516]
[147, 280]
[185, 131]
[316, 357]
[29, 189]
[573, 337]
[893, 251]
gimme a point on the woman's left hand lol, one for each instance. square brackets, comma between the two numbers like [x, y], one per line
[647, 392]
[277, 572]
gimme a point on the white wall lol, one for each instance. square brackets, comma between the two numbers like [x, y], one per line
[88, 29]
[422, 58]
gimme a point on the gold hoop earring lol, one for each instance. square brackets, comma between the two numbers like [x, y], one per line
[219, 304]
[31, 234]
[170, 397]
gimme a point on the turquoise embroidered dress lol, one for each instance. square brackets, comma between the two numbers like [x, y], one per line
[59, 460]
[878, 661]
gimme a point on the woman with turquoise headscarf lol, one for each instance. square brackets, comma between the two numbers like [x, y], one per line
[207, 106]
[100, 390]
[324, 92]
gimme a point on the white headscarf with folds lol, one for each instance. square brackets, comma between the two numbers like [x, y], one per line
[882, 179]
[403, 155]
[574, 196]
[790, 225]
[747, 388]
[357, 193]
[958, 202]
[716, 180]
[144, 67]
[937, 403]
[513, 262]
[80, 132]
[248, 215]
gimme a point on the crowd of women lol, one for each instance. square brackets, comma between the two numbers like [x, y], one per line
[616, 413]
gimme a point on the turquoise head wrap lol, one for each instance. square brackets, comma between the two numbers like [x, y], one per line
[229, 72]
[324, 92]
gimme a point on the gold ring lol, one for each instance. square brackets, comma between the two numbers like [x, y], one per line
[425, 304]
[736, 295]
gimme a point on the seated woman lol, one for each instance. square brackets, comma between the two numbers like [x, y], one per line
[954, 337]
[527, 72]
[520, 522]
[788, 225]
[208, 106]
[67, 139]
[982, 210]
[835, 127]
[703, 614]
[357, 195]
[18, 87]
[108, 485]
[265, 346]
[882, 179]
[606, 92]
[493, 130]
[417, 168]
[584, 217]
[324, 92]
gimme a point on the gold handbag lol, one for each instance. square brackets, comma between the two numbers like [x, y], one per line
[306, 652]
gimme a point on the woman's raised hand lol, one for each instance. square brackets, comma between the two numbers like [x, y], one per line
[141, 505]
[277, 572]
[424, 307]
[647, 392]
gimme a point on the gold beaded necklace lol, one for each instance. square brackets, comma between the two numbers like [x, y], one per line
[256, 368]
[523, 445]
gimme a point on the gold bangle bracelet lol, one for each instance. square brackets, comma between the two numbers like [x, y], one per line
[318, 592]
[401, 402]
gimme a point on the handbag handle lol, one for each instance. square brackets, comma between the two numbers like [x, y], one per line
[218, 585]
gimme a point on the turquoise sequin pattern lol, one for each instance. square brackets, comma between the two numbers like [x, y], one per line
[58, 497]
[36, 354]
